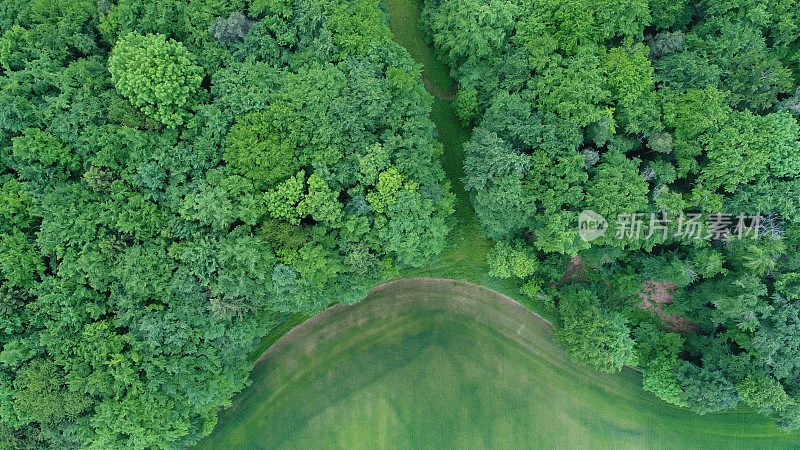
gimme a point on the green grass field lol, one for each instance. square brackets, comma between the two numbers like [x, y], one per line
[424, 364]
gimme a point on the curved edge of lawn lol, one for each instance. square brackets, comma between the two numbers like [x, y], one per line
[322, 316]
[610, 408]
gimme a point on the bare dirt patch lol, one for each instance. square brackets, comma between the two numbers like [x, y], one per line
[655, 294]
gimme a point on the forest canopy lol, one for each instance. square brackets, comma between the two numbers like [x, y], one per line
[644, 114]
[178, 176]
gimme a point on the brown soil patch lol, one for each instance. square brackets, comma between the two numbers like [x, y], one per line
[653, 295]
[575, 271]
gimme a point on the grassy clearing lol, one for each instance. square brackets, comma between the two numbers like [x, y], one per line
[425, 364]
[465, 258]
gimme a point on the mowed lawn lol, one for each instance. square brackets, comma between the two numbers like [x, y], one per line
[430, 364]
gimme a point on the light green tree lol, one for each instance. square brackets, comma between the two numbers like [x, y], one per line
[592, 335]
[282, 202]
[156, 74]
[389, 182]
[321, 203]
[506, 260]
[764, 393]
[598, 338]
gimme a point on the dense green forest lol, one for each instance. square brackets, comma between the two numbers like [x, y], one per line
[678, 119]
[178, 176]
